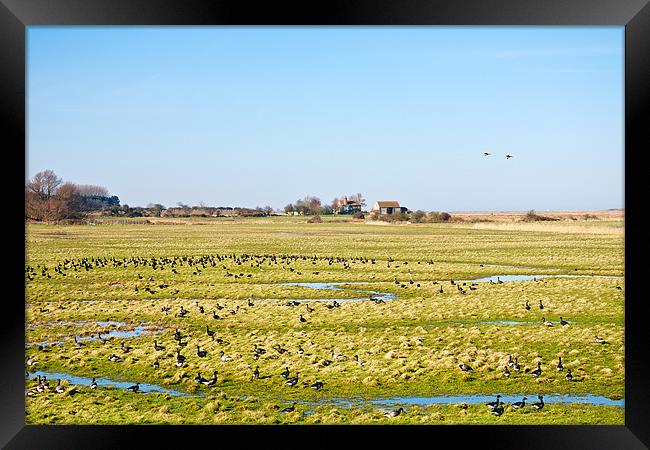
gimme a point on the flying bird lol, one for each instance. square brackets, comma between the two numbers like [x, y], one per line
[508, 156]
[487, 154]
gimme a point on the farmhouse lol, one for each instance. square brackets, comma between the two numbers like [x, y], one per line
[348, 206]
[388, 207]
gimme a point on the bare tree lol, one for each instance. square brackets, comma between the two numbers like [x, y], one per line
[44, 184]
[335, 204]
[90, 190]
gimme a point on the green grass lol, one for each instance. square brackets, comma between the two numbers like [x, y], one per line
[412, 345]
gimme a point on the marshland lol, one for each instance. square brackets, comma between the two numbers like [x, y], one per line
[277, 320]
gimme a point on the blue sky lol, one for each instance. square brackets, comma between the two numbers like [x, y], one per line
[255, 116]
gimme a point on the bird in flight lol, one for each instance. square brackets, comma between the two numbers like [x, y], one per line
[487, 154]
[508, 156]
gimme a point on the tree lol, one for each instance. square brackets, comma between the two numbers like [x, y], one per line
[359, 199]
[155, 208]
[267, 210]
[289, 209]
[335, 204]
[44, 184]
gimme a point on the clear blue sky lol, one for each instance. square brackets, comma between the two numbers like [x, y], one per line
[255, 116]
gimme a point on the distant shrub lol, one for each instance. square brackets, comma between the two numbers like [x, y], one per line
[358, 215]
[418, 216]
[532, 216]
[315, 219]
[590, 217]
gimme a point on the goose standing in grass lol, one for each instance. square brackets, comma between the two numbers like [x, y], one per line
[155, 364]
[510, 361]
[115, 358]
[563, 322]
[208, 331]
[77, 343]
[224, 357]
[495, 403]
[465, 368]
[527, 306]
[394, 413]
[126, 348]
[497, 410]
[180, 359]
[290, 408]
[59, 389]
[521, 404]
[540, 404]
[292, 381]
[560, 367]
[568, 376]
[546, 322]
[317, 385]
[210, 381]
[135, 388]
[537, 372]
[256, 372]
[516, 367]
[506, 372]
[158, 347]
[302, 319]
[601, 340]
[360, 361]
[201, 353]
[198, 378]
[541, 306]
[285, 374]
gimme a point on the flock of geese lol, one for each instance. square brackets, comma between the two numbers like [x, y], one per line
[198, 264]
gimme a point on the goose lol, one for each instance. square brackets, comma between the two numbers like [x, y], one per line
[506, 372]
[546, 322]
[93, 384]
[59, 389]
[510, 361]
[302, 319]
[215, 316]
[177, 335]
[135, 388]
[126, 348]
[464, 367]
[521, 404]
[180, 359]
[115, 358]
[360, 361]
[155, 364]
[258, 350]
[157, 347]
[601, 340]
[285, 374]
[495, 403]
[77, 343]
[537, 372]
[300, 351]
[560, 367]
[509, 156]
[527, 306]
[201, 353]
[394, 413]
[540, 404]
[198, 378]
[516, 365]
[210, 381]
[208, 331]
[31, 362]
[326, 363]
[256, 372]
[224, 357]
[292, 381]
[290, 408]
[541, 306]
[568, 376]
[317, 385]
[309, 308]
[563, 322]
[486, 153]
[498, 410]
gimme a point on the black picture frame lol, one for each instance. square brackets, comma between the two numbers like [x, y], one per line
[16, 15]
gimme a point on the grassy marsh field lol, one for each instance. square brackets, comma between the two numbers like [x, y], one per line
[130, 273]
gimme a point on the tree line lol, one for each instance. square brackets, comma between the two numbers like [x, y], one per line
[48, 198]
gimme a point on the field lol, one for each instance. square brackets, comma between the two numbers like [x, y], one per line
[417, 317]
